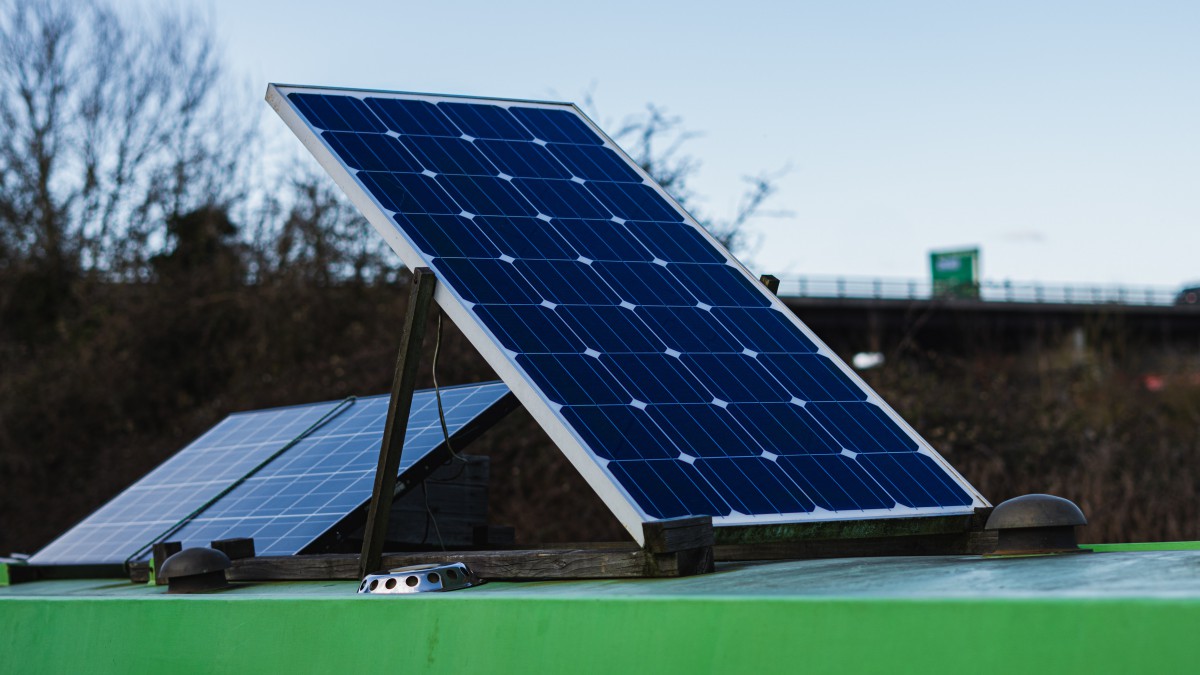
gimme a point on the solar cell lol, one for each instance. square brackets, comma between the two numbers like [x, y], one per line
[312, 487]
[671, 378]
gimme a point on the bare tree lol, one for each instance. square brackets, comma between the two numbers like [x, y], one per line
[657, 141]
[307, 231]
[114, 125]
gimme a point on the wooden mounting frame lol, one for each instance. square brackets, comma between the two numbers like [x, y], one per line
[674, 548]
[930, 535]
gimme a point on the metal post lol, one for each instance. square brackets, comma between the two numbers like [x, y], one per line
[375, 532]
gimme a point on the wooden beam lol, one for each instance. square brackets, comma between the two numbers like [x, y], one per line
[678, 534]
[403, 384]
[139, 571]
[238, 547]
[963, 543]
[850, 529]
[771, 282]
[937, 535]
[529, 565]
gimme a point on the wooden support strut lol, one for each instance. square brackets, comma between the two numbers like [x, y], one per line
[403, 384]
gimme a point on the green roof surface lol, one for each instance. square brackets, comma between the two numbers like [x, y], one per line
[1116, 574]
[1124, 611]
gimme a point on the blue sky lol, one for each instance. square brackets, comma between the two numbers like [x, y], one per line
[1061, 137]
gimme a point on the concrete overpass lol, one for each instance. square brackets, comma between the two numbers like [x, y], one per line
[854, 315]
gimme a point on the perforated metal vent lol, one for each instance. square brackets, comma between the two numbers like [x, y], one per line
[420, 579]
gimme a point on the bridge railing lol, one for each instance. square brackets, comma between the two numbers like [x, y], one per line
[883, 288]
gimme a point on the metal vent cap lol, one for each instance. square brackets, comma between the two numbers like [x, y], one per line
[1036, 524]
[420, 579]
[196, 570]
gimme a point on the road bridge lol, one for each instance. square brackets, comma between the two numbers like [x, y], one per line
[886, 315]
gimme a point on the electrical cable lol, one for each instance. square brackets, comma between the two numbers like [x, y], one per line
[437, 392]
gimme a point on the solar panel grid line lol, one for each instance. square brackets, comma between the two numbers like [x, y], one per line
[572, 279]
[246, 505]
[319, 484]
[290, 516]
[123, 518]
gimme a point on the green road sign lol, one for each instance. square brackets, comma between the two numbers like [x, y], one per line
[955, 273]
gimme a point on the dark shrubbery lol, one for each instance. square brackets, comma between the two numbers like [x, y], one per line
[152, 281]
[1048, 422]
[140, 369]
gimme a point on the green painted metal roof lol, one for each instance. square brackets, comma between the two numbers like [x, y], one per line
[1122, 611]
[1113, 574]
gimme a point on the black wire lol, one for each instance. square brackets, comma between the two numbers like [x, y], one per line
[430, 518]
[437, 392]
[461, 469]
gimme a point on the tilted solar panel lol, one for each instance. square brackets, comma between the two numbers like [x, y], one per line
[670, 377]
[298, 497]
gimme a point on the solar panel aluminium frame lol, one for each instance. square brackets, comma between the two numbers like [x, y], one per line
[339, 537]
[623, 506]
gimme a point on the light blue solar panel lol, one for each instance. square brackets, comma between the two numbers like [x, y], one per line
[676, 382]
[290, 502]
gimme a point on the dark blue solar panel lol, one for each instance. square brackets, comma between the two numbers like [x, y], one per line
[592, 162]
[408, 117]
[373, 152]
[450, 155]
[409, 192]
[338, 113]
[523, 160]
[603, 240]
[287, 504]
[673, 242]
[485, 121]
[691, 387]
[561, 198]
[556, 126]
[524, 238]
